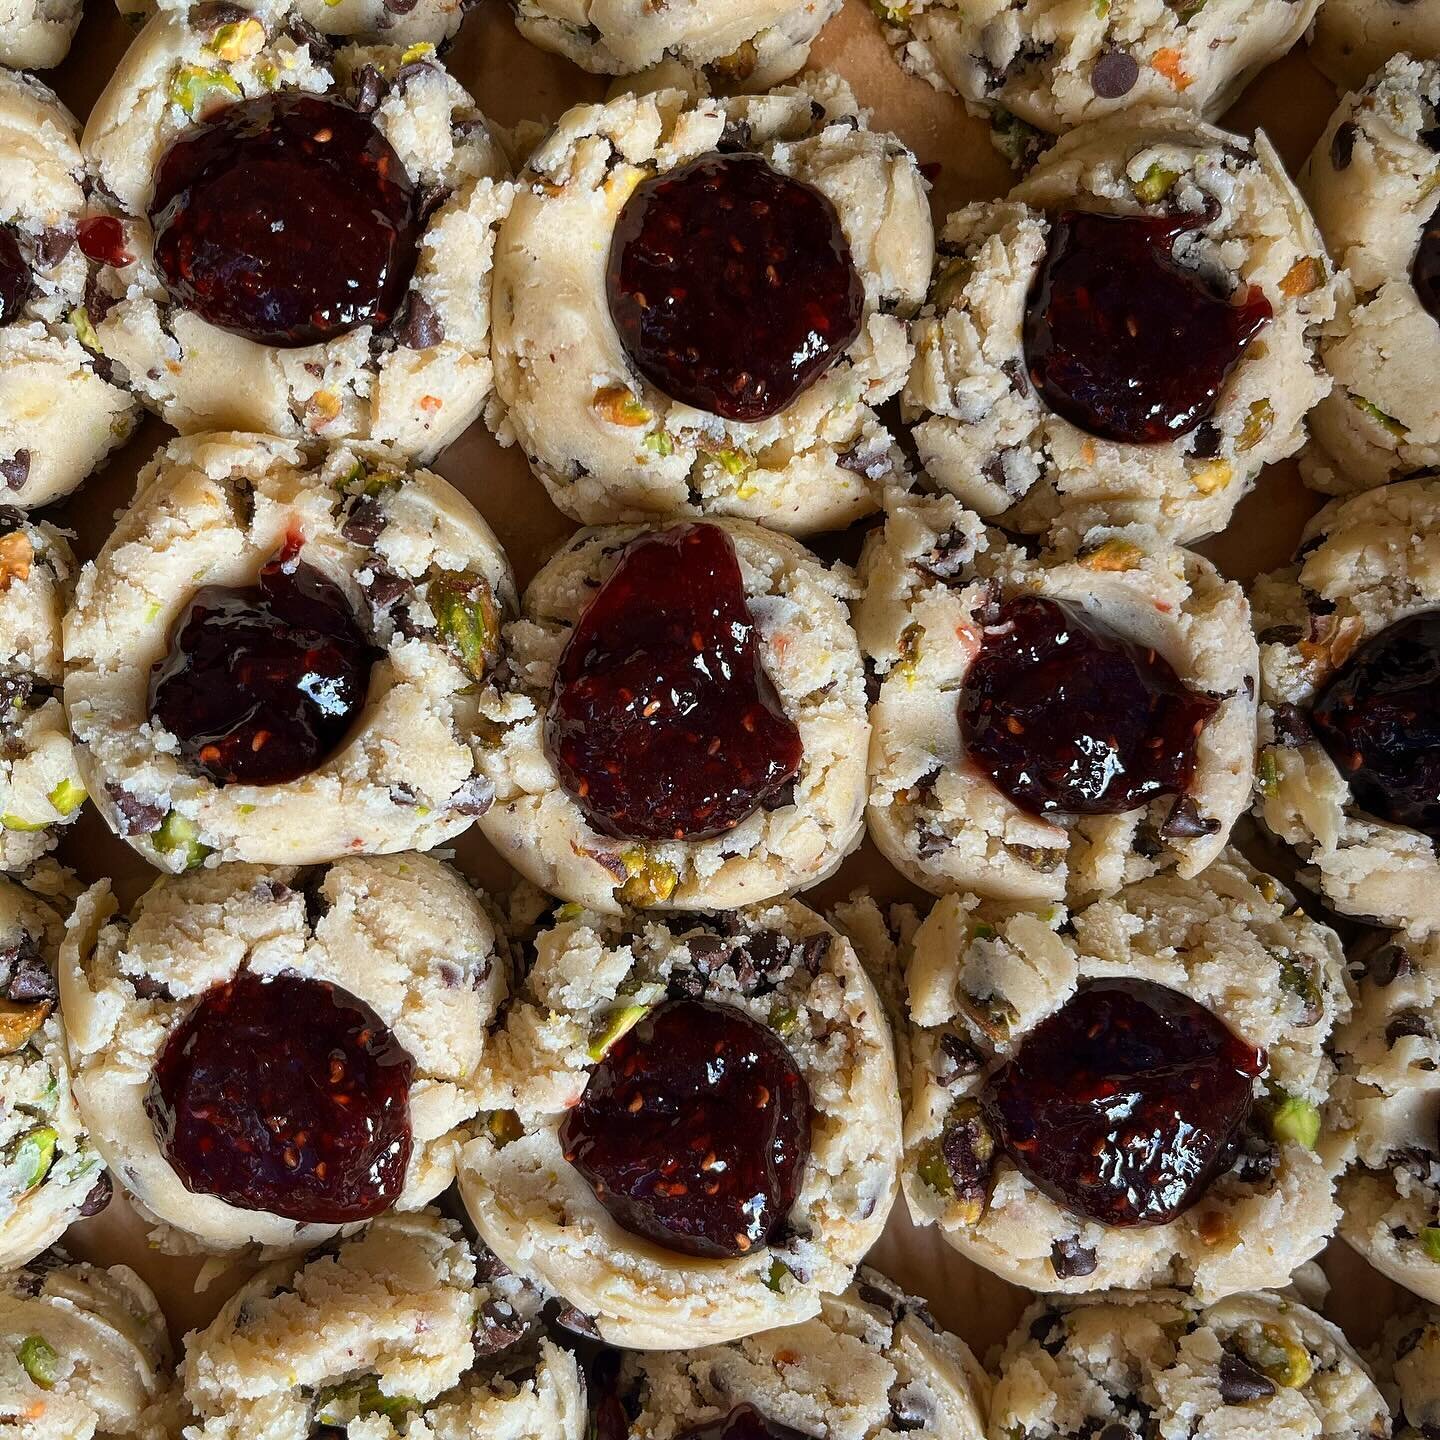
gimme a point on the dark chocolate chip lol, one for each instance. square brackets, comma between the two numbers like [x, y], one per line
[31, 981]
[1291, 726]
[421, 328]
[1388, 964]
[15, 470]
[1282, 635]
[147, 987]
[1409, 1022]
[960, 1057]
[1114, 74]
[365, 522]
[1069, 1259]
[497, 1327]
[1241, 1383]
[53, 246]
[369, 89]
[101, 1193]
[474, 797]
[1205, 443]
[134, 816]
[1185, 822]
[1342, 145]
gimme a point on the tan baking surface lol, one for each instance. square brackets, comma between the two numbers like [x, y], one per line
[513, 82]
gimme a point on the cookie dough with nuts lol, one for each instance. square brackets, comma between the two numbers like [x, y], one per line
[983, 428]
[414, 372]
[403, 935]
[1408, 1369]
[780, 971]
[1354, 38]
[36, 34]
[60, 413]
[935, 585]
[427, 583]
[390, 22]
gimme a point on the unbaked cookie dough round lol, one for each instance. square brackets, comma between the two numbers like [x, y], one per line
[1163, 1364]
[60, 415]
[939, 597]
[873, 1362]
[414, 371]
[403, 1329]
[1387, 1110]
[797, 993]
[390, 22]
[36, 34]
[1355, 38]
[988, 983]
[83, 1351]
[611, 445]
[806, 648]
[1053, 65]
[422, 580]
[402, 936]
[984, 429]
[1408, 1369]
[1371, 180]
[1365, 566]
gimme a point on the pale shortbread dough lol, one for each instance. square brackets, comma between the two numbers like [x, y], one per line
[36, 34]
[1408, 1369]
[1354, 38]
[391, 22]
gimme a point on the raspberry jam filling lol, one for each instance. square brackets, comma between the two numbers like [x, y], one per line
[744, 1422]
[261, 684]
[1123, 340]
[288, 1095]
[16, 280]
[1067, 717]
[694, 1130]
[1425, 272]
[663, 724]
[1124, 1105]
[286, 219]
[732, 286]
[1378, 718]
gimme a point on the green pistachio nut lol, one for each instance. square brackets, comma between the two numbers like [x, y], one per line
[617, 1023]
[179, 836]
[39, 1361]
[467, 620]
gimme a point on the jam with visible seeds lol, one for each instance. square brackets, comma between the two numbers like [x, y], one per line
[663, 724]
[286, 219]
[16, 280]
[732, 286]
[694, 1130]
[1067, 717]
[1124, 341]
[1125, 1104]
[1425, 272]
[262, 684]
[1378, 718]
[288, 1095]
[744, 1422]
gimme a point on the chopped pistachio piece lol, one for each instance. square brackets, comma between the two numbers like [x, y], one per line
[467, 619]
[1292, 1118]
[930, 1166]
[1156, 183]
[775, 1276]
[339, 1404]
[909, 647]
[1268, 773]
[193, 86]
[658, 442]
[1113, 555]
[1389, 422]
[732, 462]
[619, 1022]
[1258, 421]
[504, 1126]
[1212, 476]
[619, 406]
[1283, 1359]
[951, 283]
[179, 836]
[651, 882]
[84, 331]
[68, 796]
[19, 1022]
[783, 1019]
[33, 1154]
[418, 51]
[39, 1361]
[18, 822]
[1430, 1242]
[1016, 139]
[237, 41]
[891, 14]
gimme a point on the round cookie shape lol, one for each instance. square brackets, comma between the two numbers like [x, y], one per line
[37, 33]
[1236, 229]
[1355, 38]
[405, 937]
[405, 1324]
[802, 675]
[608, 444]
[1365, 567]
[936, 585]
[986, 982]
[83, 1351]
[60, 412]
[595, 982]
[1165, 1363]
[413, 372]
[1408, 1370]
[387, 22]
[1387, 1111]
[1371, 181]
[425, 581]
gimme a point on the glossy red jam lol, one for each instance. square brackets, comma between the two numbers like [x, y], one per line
[1123, 340]
[1067, 717]
[287, 219]
[663, 724]
[16, 280]
[287, 1095]
[1425, 272]
[732, 286]
[694, 1130]
[1124, 1104]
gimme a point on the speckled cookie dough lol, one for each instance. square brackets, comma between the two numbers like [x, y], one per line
[1371, 180]
[83, 1352]
[541, 1217]
[36, 34]
[40, 788]
[391, 22]
[402, 1330]
[429, 583]
[982, 976]
[1163, 1365]
[929, 580]
[607, 444]
[873, 1362]
[1365, 563]
[59, 414]
[403, 933]
[1408, 1369]
[1354, 38]
[982, 429]
[415, 385]
[810, 653]
[1387, 1110]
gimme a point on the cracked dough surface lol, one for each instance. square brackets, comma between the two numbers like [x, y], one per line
[985, 975]
[1371, 180]
[1354, 38]
[391, 22]
[981, 428]
[1408, 1369]
[36, 34]
[1367, 562]
[541, 1217]
[810, 653]
[404, 933]
[610, 446]
[928, 581]
[59, 415]
[213, 509]
[416, 386]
